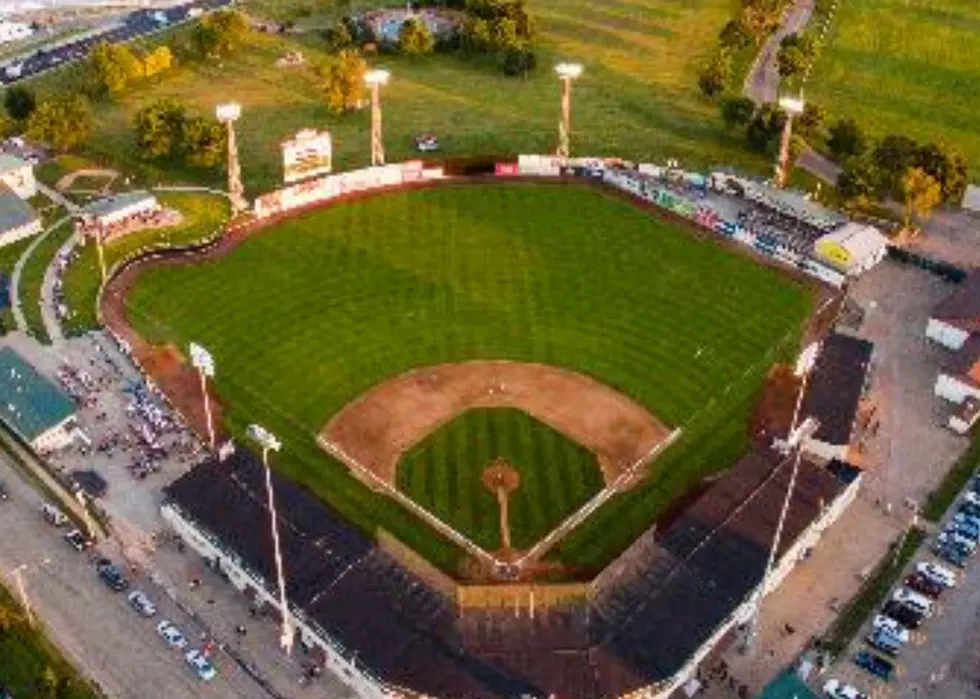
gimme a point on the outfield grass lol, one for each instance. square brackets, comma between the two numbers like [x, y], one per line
[309, 315]
[443, 473]
[638, 97]
[32, 278]
[907, 67]
[203, 215]
[25, 656]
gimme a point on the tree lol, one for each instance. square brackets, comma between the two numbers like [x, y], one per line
[737, 111]
[759, 19]
[157, 61]
[810, 123]
[948, 167]
[414, 37]
[63, 123]
[714, 77]
[503, 34]
[338, 38]
[475, 35]
[518, 61]
[159, 129]
[9, 618]
[7, 125]
[220, 34]
[342, 81]
[19, 102]
[893, 156]
[48, 684]
[204, 142]
[857, 179]
[921, 193]
[847, 139]
[114, 66]
[735, 36]
[765, 128]
[795, 53]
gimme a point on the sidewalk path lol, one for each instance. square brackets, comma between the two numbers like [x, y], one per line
[59, 198]
[762, 82]
[49, 309]
[15, 304]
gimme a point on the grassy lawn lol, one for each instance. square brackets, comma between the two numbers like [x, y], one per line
[954, 482]
[9, 254]
[443, 473]
[905, 66]
[32, 278]
[638, 97]
[203, 214]
[26, 655]
[312, 313]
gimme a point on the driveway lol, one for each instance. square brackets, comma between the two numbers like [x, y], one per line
[762, 82]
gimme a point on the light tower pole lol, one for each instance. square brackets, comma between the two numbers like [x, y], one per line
[793, 106]
[375, 79]
[799, 431]
[269, 442]
[202, 360]
[567, 73]
[228, 114]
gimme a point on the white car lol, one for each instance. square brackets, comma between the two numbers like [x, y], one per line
[838, 690]
[884, 623]
[172, 635]
[53, 515]
[941, 575]
[141, 603]
[201, 665]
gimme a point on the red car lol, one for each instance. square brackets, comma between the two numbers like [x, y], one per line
[922, 584]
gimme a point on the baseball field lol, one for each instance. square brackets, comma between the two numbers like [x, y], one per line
[313, 312]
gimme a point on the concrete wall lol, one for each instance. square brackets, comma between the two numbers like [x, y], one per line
[945, 334]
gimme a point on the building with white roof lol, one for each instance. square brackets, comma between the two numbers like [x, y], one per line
[17, 219]
[18, 175]
[853, 248]
[12, 31]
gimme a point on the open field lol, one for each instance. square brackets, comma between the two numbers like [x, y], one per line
[638, 97]
[203, 215]
[26, 655]
[444, 474]
[905, 66]
[311, 314]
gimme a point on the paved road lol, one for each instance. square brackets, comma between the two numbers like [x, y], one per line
[95, 627]
[819, 166]
[762, 82]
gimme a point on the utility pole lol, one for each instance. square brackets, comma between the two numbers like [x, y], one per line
[567, 73]
[202, 360]
[375, 79]
[228, 114]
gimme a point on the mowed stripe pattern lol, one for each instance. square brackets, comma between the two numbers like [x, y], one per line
[443, 474]
[310, 314]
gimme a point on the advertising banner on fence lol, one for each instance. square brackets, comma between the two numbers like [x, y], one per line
[506, 169]
[539, 165]
[309, 154]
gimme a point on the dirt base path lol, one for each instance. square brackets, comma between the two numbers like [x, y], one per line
[379, 427]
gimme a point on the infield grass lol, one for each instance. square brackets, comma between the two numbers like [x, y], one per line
[905, 66]
[443, 473]
[307, 316]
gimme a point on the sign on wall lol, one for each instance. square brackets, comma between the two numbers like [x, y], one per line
[309, 154]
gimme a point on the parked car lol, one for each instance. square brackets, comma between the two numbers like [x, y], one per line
[171, 634]
[884, 623]
[875, 664]
[970, 508]
[904, 615]
[913, 600]
[969, 526]
[835, 689]
[920, 583]
[951, 537]
[78, 541]
[937, 573]
[111, 575]
[141, 603]
[884, 642]
[950, 555]
[4, 495]
[53, 515]
[201, 665]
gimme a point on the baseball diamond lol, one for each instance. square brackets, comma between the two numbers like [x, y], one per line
[319, 313]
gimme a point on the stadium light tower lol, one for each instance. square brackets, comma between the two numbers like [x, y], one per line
[269, 442]
[799, 431]
[202, 360]
[228, 114]
[567, 73]
[793, 106]
[375, 79]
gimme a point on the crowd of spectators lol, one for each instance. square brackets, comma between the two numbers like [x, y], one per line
[155, 217]
[780, 229]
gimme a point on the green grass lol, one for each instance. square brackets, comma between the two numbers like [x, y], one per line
[9, 254]
[905, 66]
[309, 315]
[32, 278]
[51, 171]
[872, 592]
[203, 214]
[638, 97]
[443, 473]
[25, 655]
[953, 482]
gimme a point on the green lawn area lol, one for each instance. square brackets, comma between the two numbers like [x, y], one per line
[905, 66]
[443, 473]
[203, 215]
[309, 315]
[32, 278]
[9, 254]
[638, 97]
[26, 655]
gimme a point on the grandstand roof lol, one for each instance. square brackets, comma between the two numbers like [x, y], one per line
[793, 204]
[30, 404]
[14, 211]
[835, 387]
[701, 568]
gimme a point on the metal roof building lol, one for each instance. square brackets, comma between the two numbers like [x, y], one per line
[31, 406]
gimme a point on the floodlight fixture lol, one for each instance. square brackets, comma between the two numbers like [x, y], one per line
[229, 111]
[264, 438]
[202, 360]
[378, 76]
[568, 71]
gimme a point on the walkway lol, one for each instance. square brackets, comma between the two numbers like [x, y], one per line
[49, 306]
[59, 198]
[762, 82]
[15, 304]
